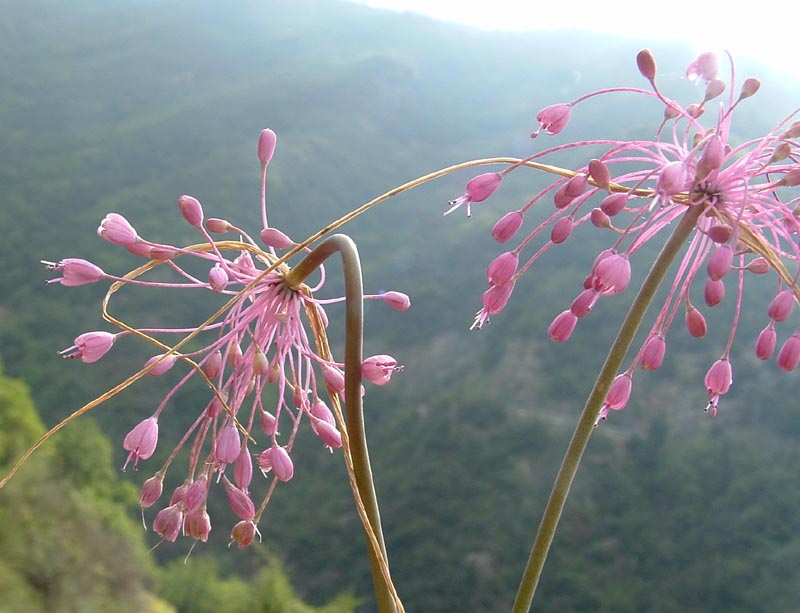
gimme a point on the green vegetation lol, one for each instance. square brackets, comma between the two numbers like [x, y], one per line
[124, 106]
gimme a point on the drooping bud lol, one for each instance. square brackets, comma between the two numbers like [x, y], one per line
[151, 491]
[334, 379]
[552, 119]
[195, 494]
[217, 278]
[478, 189]
[583, 304]
[496, 298]
[502, 268]
[655, 347]
[141, 441]
[228, 444]
[758, 266]
[162, 366]
[767, 339]
[711, 159]
[613, 204]
[239, 501]
[599, 219]
[719, 234]
[781, 306]
[168, 522]
[90, 346]
[198, 525]
[507, 226]
[329, 434]
[789, 355]
[719, 377]
[243, 533]
[243, 469]
[611, 275]
[269, 424]
[213, 365]
[619, 392]
[719, 264]
[282, 464]
[714, 292]
[378, 369]
[74, 272]
[561, 230]
[562, 326]
[321, 411]
[117, 230]
[600, 174]
[696, 323]
[192, 210]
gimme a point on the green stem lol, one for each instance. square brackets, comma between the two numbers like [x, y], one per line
[353, 356]
[585, 427]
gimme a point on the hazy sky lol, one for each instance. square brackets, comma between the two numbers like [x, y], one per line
[768, 35]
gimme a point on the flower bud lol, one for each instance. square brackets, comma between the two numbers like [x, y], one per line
[151, 491]
[562, 326]
[141, 441]
[239, 501]
[168, 522]
[696, 323]
[600, 174]
[781, 306]
[653, 352]
[613, 204]
[714, 292]
[117, 230]
[213, 365]
[162, 366]
[267, 141]
[218, 226]
[217, 278]
[765, 345]
[719, 264]
[599, 219]
[646, 64]
[507, 226]
[272, 237]
[719, 377]
[281, 463]
[502, 268]
[397, 300]
[198, 525]
[243, 469]
[192, 210]
[243, 533]
[552, 119]
[789, 355]
[561, 230]
[228, 444]
[749, 88]
[583, 304]
[619, 392]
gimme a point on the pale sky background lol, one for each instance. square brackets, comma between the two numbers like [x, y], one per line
[765, 31]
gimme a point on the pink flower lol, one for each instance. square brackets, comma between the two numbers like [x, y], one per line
[117, 230]
[141, 442]
[169, 522]
[789, 355]
[243, 533]
[507, 226]
[552, 119]
[378, 369]
[478, 190]
[718, 381]
[562, 326]
[653, 352]
[267, 141]
[151, 491]
[75, 271]
[502, 268]
[704, 67]
[90, 346]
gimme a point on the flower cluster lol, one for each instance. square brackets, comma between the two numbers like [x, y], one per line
[270, 335]
[740, 193]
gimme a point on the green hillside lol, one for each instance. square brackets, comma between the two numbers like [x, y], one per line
[123, 106]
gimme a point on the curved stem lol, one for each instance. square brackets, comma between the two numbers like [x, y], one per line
[585, 426]
[354, 324]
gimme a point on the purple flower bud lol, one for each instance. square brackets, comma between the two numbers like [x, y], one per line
[583, 304]
[611, 275]
[646, 64]
[239, 501]
[228, 444]
[192, 210]
[781, 306]
[378, 369]
[749, 88]
[719, 264]
[502, 268]
[397, 300]
[90, 346]
[613, 204]
[619, 392]
[198, 525]
[719, 377]
[561, 230]
[765, 345]
[268, 423]
[266, 146]
[243, 533]
[272, 237]
[195, 494]
[281, 463]
[507, 226]
[141, 441]
[329, 434]
[552, 119]
[116, 230]
[714, 292]
[162, 366]
[213, 365]
[218, 226]
[789, 355]
[168, 522]
[653, 352]
[75, 272]
[696, 323]
[478, 189]
[243, 469]
[562, 326]
[600, 174]
[217, 278]
[151, 491]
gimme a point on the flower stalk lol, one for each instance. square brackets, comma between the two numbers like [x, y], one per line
[588, 419]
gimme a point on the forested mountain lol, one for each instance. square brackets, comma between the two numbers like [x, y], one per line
[123, 106]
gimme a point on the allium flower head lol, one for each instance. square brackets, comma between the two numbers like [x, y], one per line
[265, 358]
[742, 193]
